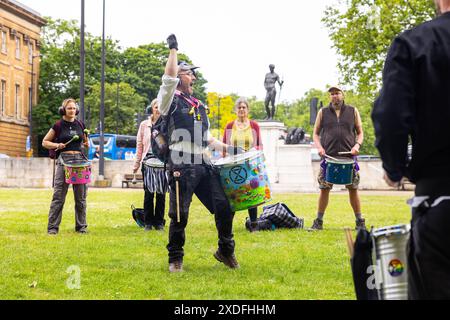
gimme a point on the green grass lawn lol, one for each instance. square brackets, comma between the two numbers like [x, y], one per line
[118, 260]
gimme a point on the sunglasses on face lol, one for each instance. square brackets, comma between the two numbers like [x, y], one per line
[188, 73]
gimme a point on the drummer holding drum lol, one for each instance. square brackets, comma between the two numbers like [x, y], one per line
[153, 173]
[338, 135]
[190, 172]
[66, 137]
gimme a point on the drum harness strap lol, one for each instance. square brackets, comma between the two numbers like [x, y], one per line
[423, 202]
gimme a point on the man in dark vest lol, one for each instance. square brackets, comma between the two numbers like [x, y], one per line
[338, 128]
[190, 172]
[414, 103]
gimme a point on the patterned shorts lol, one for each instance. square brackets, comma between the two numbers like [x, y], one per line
[326, 185]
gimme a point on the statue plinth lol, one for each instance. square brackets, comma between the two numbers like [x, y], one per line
[288, 166]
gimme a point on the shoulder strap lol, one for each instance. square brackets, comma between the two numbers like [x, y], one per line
[81, 124]
[57, 129]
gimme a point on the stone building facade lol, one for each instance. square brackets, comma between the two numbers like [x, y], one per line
[20, 29]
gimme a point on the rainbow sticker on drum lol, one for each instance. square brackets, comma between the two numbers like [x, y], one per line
[396, 268]
[244, 180]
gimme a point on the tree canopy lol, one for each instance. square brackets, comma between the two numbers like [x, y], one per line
[136, 72]
[362, 31]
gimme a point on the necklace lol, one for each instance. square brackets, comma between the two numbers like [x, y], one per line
[242, 125]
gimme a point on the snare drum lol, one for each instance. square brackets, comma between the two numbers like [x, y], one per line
[244, 180]
[155, 178]
[77, 171]
[389, 249]
[339, 172]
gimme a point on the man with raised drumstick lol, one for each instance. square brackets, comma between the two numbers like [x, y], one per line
[338, 133]
[189, 171]
[414, 102]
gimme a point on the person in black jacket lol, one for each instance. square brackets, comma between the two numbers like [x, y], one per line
[414, 103]
[190, 170]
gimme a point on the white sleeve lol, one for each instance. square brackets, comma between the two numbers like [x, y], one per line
[166, 93]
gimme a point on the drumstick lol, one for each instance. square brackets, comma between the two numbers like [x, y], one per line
[345, 152]
[350, 245]
[331, 157]
[133, 181]
[176, 174]
[74, 138]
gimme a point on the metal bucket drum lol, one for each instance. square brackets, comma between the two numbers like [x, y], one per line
[339, 172]
[77, 172]
[244, 180]
[153, 163]
[390, 252]
[155, 178]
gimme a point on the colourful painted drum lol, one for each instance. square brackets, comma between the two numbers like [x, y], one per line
[78, 173]
[244, 180]
[389, 250]
[339, 172]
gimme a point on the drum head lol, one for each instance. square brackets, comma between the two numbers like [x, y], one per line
[239, 158]
[75, 163]
[341, 161]
[153, 163]
[391, 230]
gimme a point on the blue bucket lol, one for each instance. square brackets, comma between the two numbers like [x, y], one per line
[339, 172]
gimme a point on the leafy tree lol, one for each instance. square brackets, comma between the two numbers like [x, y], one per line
[362, 31]
[140, 67]
[143, 68]
[60, 61]
[221, 112]
[119, 113]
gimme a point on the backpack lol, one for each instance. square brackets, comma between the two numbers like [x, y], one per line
[159, 138]
[281, 216]
[53, 154]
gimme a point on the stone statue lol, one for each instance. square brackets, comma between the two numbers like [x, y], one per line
[269, 84]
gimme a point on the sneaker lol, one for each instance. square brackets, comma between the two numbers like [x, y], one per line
[52, 232]
[148, 228]
[317, 225]
[83, 231]
[229, 261]
[360, 224]
[176, 266]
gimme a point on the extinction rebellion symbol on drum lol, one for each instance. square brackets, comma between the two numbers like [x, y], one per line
[238, 175]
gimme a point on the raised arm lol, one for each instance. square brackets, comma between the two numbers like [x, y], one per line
[169, 79]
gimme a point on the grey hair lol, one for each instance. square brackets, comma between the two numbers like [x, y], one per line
[241, 100]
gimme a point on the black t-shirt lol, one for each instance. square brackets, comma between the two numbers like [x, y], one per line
[66, 131]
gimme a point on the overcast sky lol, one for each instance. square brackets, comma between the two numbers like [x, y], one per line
[233, 41]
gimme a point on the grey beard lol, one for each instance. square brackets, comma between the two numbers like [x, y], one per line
[338, 105]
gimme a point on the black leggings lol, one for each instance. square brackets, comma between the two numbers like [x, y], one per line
[253, 214]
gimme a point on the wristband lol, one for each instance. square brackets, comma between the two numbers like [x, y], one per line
[358, 144]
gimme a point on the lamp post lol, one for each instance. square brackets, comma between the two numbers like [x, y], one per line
[30, 112]
[101, 166]
[117, 103]
[82, 64]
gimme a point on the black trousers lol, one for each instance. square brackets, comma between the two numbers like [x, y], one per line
[429, 246]
[253, 214]
[204, 182]
[154, 213]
